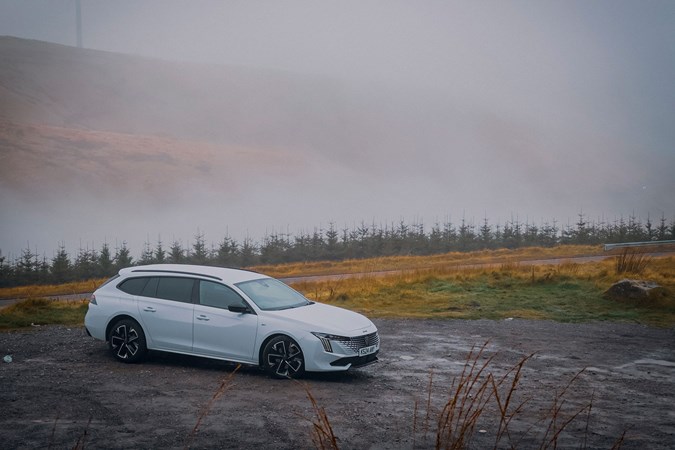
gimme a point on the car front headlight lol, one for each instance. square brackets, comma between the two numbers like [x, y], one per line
[325, 339]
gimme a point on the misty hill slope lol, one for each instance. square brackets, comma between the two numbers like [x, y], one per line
[71, 118]
[50, 84]
[45, 161]
[96, 144]
[60, 106]
[65, 86]
[351, 125]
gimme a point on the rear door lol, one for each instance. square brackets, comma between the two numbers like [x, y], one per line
[165, 307]
[220, 332]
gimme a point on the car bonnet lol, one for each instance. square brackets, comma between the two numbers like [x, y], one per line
[327, 319]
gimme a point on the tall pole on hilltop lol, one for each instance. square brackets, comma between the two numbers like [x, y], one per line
[78, 13]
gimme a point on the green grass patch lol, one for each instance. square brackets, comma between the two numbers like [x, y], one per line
[41, 311]
[499, 296]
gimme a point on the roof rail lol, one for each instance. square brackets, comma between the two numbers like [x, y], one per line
[178, 272]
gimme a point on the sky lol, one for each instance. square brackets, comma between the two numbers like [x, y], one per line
[558, 107]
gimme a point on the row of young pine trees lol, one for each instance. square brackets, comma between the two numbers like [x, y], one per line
[361, 241]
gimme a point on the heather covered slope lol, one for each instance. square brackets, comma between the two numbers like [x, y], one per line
[45, 162]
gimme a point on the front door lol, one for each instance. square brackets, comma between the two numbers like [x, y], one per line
[219, 332]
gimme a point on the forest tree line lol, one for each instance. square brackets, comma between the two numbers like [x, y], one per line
[331, 244]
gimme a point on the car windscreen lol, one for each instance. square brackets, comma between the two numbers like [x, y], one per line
[270, 294]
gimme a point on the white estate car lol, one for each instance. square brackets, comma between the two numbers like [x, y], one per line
[229, 314]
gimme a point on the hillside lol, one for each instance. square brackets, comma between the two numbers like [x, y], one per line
[75, 120]
[97, 145]
[180, 146]
[64, 86]
[38, 158]
[62, 105]
[371, 130]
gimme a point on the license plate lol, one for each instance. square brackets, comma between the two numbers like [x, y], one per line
[368, 350]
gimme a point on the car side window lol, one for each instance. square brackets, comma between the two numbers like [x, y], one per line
[133, 286]
[218, 295]
[150, 289]
[175, 288]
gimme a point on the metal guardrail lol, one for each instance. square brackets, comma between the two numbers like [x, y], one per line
[637, 244]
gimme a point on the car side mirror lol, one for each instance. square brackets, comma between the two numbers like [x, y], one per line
[238, 309]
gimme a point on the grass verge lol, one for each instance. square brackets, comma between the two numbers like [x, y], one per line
[46, 290]
[566, 292]
[41, 311]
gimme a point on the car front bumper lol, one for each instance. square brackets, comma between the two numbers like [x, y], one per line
[342, 358]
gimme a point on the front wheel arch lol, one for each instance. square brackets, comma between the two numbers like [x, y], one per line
[261, 351]
[296, 359]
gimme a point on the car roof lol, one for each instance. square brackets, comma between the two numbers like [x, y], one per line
[219, 273]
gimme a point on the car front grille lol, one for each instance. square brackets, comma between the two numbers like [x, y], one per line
[358, 342]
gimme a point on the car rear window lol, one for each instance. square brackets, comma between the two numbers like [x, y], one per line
[150, 289]
[133, 286]
[178, 289]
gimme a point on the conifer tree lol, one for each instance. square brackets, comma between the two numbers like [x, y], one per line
[61, 268]
[123, 257]
[247, 253]
[160, 254]
[6, 273]
[176, 253]
[26, 268]
[147, 255]
[199, 254]
[106, 264]
[226, 254]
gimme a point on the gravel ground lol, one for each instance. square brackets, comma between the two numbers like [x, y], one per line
[63, 387]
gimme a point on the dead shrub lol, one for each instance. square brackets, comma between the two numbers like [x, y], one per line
[632, 261]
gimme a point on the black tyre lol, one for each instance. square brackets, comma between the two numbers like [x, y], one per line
[282, 358]
[127, 341]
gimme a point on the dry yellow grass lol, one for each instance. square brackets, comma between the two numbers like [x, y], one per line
[566, 291]
[46, 290]
[452, 259]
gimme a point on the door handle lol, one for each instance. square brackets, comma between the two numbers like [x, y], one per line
[149, 309]
[202, 317]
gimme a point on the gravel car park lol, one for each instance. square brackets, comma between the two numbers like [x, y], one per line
[63, 387]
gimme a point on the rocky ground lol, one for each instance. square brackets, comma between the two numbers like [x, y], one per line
[63, 388]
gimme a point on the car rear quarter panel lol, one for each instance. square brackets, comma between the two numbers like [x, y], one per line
[101, 316]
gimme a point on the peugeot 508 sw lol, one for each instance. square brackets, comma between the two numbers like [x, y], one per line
[229, 314]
